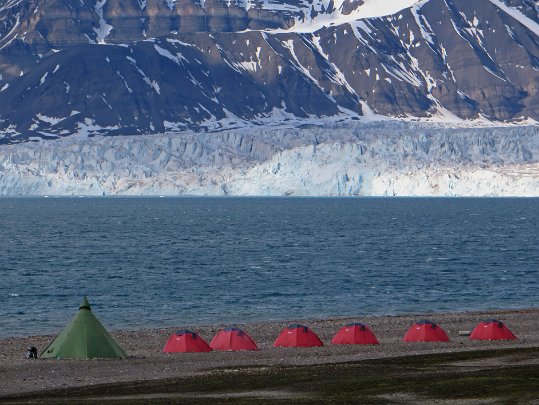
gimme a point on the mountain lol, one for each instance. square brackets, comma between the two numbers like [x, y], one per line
[269, 97]
[128, 67]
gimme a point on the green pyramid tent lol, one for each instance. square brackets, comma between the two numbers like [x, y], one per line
[84, 338]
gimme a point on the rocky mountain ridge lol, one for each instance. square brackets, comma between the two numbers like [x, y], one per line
[141, 67]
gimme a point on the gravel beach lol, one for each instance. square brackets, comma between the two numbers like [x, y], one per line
[147, 362]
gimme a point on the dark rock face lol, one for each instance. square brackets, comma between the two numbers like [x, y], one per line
[137, 66]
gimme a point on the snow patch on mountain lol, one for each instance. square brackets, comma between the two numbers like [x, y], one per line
[104, 29]
[517, 15]
[331, 13]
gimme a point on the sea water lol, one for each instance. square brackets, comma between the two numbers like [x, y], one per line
[156, 262]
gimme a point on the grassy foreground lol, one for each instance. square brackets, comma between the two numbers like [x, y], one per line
[494, 376]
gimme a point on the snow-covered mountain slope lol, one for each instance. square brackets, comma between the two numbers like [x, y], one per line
[269, 97]
[385, 158]
[140, 67]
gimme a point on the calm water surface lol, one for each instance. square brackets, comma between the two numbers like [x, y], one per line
[174, 261]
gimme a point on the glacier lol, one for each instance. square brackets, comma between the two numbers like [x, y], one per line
[382, 158]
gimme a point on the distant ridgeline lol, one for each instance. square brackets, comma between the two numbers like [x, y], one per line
[137, 66]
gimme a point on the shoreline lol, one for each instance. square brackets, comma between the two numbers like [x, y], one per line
[146, 362]
[284, 321]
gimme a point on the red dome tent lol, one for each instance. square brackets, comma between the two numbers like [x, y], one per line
[186, 341]
[233, 339]
[355, 334]
[297, 336]
[492, 330]
[425, 331]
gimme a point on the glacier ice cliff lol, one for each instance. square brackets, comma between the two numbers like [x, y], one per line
[352, 159]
